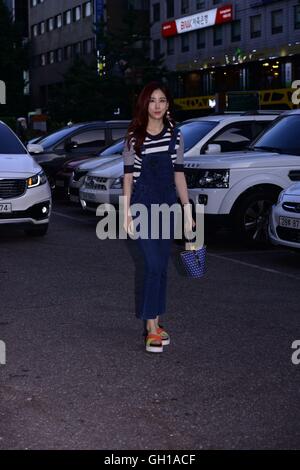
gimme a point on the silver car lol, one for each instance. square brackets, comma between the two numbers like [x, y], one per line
[77, 178]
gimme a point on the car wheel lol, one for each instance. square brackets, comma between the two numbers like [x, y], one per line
[251, 217]
[37, 231]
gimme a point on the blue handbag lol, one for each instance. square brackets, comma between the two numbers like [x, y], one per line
[194, 262]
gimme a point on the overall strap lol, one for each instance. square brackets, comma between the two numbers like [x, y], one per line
[173, 140]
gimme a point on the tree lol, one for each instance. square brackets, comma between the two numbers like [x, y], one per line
[13, 61]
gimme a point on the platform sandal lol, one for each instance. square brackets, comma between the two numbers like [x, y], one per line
[150, 347]
[165, 337]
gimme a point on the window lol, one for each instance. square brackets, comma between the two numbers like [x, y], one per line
[67, 52]
[185, 43]
[236, 31]
[50, 57]
[117, 134]
[76, 13]
[184, 6]
[255, 26]
[87, 9]
[156, 48]
[200, 35]
[67, 17]
[34, 30]
[50, 24]
[284, 135]
[77, 49]
[276, 20]
[88, 46]
[89, 139]
[170, 8]
[170, 46]
[297, 17]
[43, 60]
[193, 132]
[234, 137]
[9, 144]
[200, 4]
[59, 54]
[42, 27]
[218, 35]
[156, 12]
[58, 21]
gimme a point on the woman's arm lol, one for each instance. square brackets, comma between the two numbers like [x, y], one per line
[128, 155]
[181, 186]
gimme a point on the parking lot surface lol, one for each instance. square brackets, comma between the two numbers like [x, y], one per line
[77, 375]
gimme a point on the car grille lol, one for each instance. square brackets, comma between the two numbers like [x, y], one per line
[291, 207]
[79, 174]
[11, 188]
[96, 182]
[288, 234]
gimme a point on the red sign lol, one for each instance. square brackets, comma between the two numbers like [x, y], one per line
[204, 19]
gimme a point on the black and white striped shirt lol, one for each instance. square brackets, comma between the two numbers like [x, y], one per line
[153, 144]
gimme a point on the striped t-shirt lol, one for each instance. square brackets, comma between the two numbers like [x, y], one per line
[153, 144]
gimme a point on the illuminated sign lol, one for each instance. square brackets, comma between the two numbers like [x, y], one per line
[204, 19]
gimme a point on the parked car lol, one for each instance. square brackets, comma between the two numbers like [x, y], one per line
[78, 141]
[70, 177]
[284, 226]
[25, 195]
[216, 133]
[239, 189]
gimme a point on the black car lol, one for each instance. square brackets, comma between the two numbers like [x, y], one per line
[75, 142]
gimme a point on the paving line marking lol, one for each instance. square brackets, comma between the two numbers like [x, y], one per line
[255, 266]
[70, 217]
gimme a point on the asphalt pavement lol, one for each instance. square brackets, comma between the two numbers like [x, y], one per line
[77, 375]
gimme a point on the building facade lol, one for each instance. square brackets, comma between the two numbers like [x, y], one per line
[61, 31]
[213, 46]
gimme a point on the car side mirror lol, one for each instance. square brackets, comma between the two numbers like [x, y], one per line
[69, 146]
[213, 148]
[35, 149]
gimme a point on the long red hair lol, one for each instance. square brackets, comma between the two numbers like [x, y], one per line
[138, 126]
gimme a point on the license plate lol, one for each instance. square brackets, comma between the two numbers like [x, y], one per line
[5, 208]
[60, 183]
[289, 222]
[88, 196]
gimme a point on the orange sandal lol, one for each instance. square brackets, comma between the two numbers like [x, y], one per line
[150, 347]
[165, 338]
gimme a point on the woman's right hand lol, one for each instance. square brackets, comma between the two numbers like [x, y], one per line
[128, 224]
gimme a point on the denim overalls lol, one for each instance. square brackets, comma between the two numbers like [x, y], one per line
[155, 185]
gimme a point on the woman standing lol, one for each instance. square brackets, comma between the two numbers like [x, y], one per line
[153, 170]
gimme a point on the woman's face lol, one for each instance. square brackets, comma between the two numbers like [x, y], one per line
[158, 105]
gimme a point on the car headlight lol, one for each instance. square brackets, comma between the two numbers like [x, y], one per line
[37, 180]
[117, 183]
[280, 197]
[213, 179]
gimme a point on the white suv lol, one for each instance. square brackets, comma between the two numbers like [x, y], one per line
[202, 136]
[240, 188]
[25, 196]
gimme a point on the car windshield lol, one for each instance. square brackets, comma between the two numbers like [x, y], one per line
[114, 149]
[195, 131]
[55, 137]
[282, 137]
[9, 144]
